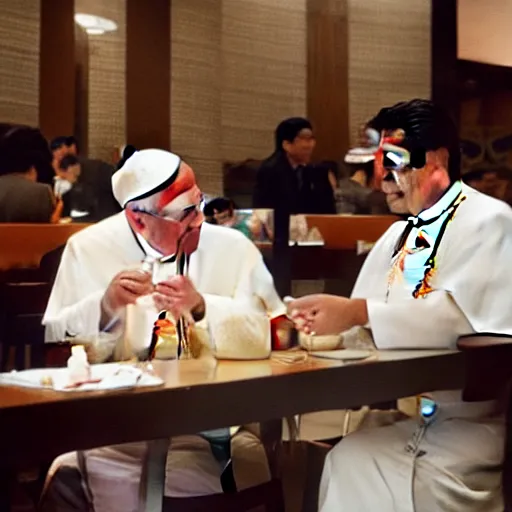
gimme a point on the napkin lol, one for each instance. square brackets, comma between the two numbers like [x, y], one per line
[104, 377]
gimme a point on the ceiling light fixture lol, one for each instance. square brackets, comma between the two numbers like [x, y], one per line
[95, 25]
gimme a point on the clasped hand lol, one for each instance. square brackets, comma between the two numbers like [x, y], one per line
[177, 295]
[327, 314]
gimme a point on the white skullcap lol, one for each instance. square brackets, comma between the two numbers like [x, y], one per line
[360, 156]
[145, 173]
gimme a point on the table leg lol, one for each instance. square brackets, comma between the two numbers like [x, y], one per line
[153, 477]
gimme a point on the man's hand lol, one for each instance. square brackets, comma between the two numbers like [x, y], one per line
[179, 297]
[327, 314]
[125, 288]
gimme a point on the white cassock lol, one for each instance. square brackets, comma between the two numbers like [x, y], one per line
[451, 278]
[228, 270]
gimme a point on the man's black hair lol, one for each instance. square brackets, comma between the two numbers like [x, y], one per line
[218, 204]
[288, 130]
[367, 168]
[58, 142]
[68, 161]
[21, 148]
[427, 127]
[71, 141]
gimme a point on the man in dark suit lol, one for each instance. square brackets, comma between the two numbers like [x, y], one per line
[287, 184]
[94, 181]
[286, 180]
[24, 153]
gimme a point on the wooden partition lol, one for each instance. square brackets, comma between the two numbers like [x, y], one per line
[25, 244]
[344, 231]
[337, 259]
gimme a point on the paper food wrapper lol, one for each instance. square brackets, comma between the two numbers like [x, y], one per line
[239, 334]
[140, 320]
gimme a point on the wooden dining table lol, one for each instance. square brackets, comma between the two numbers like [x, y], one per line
[38, 424]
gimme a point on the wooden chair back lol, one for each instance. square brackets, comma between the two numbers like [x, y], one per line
[25, 244]
[489, 373]
[21, 332]
[267, 497]
[344, 231]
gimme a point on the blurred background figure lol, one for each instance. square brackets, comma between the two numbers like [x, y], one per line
[93, 186]
[286, 179]
[356, 194]
[489, 179]
[77, 204]
[24, 155]
[220, 210]
[66, 175]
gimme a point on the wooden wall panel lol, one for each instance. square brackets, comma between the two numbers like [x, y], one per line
[444, 55]
[263, 73]
[57, 68]
[19, 61]
[327, 76]
[81, 130]
[148, 73]
[390, 55]
[238, 68]
[196, 88]
[106, 79]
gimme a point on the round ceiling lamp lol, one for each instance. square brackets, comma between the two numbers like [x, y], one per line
[95, 25]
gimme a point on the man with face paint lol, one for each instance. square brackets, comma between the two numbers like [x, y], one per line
[101, 274]
[442, 274]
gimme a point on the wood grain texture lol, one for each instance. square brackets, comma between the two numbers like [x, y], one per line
[445, 68]
[205, 394]
[390, 55]
[19, 61]
[327, 72]
[107, 78]
[238, 68]
[196, 87]
[264, 72]
[148, 77]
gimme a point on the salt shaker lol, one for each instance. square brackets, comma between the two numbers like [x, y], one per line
[78, 366]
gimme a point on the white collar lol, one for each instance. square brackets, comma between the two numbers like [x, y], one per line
[149, 251]
[444, 203]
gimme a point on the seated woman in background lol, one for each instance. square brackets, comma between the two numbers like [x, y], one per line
[24, 154]
[220, 210]
[356, 194]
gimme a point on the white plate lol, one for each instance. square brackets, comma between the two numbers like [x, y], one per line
[343, 355]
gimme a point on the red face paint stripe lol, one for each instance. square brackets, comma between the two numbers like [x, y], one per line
[184, 182]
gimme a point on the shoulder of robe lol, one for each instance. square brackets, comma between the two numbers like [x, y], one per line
[394, 231]
[480, 212]
[111, 231]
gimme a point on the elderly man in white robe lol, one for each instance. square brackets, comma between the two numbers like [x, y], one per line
[101, 275]
[443, 274]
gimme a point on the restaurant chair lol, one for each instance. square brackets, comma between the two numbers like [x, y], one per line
[488, 376]
[267, 497]
[23, 295]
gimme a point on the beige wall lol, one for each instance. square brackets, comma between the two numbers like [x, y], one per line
[484, 33]
[389, 55]
[107, 67]
[238, 68]
[19, 61]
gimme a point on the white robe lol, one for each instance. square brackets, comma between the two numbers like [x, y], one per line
[226, 267]
[470, 293]
[228, 270]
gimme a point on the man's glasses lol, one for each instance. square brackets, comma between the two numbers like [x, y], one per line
[174, 215]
